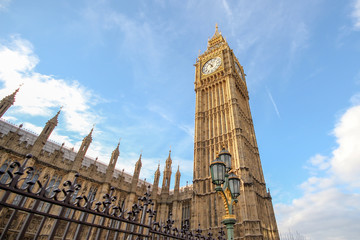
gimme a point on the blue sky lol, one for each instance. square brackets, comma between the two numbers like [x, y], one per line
[128, 68]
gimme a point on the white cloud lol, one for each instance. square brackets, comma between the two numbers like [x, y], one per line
[320, 161]
[227, 8]
[42, 95]
[330, 205]
[4, 4]
[356, 14]
[273, 103]
[327, 214]
[346, 158]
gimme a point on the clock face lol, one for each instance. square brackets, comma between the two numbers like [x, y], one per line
[238, 69]
[211, 65]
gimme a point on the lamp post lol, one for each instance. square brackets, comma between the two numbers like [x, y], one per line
[221, 173]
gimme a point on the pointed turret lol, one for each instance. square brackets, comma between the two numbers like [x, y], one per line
[167, 175]
[138, 166]
[156, 181]
[177, 180]
[7, 101]
[45, 134]
[82, 151]
[54, 119]
[168, 160]
[157, 175]
[114, 156]
[136, 175]
[111, 167]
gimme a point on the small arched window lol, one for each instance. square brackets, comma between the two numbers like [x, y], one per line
[5, 176]
[3, 169]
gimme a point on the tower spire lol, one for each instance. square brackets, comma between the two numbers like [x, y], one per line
[167, 175]
[156, 181]
[138, 166]
[136, 174]
[92, 129]
[45, 134]
[8, 101]
[169, 157]
[54, 119]
[82, 151]
[177, 180]
[217, 39]
[111, 167]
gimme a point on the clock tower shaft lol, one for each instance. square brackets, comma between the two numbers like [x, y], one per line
[223, 119]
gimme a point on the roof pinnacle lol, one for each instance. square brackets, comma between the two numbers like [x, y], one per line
[11, 97]
[157, 172]
[17, 90]
[92, 129]
[54, 119]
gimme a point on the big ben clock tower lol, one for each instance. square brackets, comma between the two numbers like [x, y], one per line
[223, 119]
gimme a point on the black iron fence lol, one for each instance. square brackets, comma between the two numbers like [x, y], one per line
[34, 209]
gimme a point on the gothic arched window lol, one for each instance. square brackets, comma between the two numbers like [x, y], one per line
[6, 168]
[3, 169]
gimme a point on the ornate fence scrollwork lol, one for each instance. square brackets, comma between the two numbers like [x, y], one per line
[33, 209]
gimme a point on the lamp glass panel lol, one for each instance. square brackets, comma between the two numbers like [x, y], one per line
[221, 173]
[217, 170]
[227, 161]
[234, 185]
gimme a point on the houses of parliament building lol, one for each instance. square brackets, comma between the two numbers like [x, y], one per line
[222, 119]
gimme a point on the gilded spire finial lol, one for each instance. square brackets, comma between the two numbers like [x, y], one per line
[11, 97]
[20, 85]
[57, 114]
[141, 152]
[216, 28]
[54, 119]
[92, 129]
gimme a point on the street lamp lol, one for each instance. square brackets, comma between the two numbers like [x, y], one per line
[221, 173]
